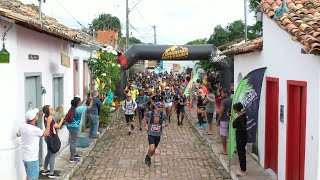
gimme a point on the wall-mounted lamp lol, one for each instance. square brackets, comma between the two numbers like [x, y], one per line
[259, 15]
[4, 55]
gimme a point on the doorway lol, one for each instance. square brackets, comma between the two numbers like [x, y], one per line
[272, 124]
[296, 129]
[75, 78]
[33, 99]
[57, 90]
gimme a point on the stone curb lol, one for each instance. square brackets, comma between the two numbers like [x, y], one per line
[223, 161]
[68, 174]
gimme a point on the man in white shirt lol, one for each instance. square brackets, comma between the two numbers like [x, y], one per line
[30, 135]
[129, 106]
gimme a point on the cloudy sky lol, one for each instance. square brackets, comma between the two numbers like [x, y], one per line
[177, 21]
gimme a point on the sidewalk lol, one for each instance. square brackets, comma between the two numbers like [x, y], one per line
[254, 170]
[66, 169]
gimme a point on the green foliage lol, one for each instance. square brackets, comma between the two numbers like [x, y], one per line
[197, 41]
[106, 69]
[132, 40]
[106, 21]
[253, 5]
[104, 117]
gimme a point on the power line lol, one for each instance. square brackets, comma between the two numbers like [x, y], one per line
[70, 14]
[137, 32]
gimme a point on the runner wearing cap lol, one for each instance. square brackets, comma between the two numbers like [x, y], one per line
[155, 121]
[30, 136]
[168, 97]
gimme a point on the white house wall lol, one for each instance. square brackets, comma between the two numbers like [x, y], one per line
[285, 61]
[10, 145]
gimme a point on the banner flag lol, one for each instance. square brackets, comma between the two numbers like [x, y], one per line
[248, 93]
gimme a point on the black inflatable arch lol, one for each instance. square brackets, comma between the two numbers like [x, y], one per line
[160, 52]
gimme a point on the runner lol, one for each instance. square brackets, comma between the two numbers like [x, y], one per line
[142, 104]
[168, 96]
[129, 106]
[180, 99]
[155, 121]
[158, 97]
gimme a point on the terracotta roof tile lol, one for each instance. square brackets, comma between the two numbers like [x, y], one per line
[25, 16]
[302, 21]
[242, 48]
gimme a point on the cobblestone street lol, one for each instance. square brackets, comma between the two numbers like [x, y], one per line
[181, 154]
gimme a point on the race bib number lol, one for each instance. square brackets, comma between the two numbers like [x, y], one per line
[168, 100]
[181, 103]
[155, 128]
[130, 106]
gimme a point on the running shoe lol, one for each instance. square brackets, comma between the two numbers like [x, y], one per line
[200, 126]
[140, 128]
[77, 156]
[53, 176]
[74, 160]
[147, 160]
[46, 172]
[132, 127]
[129, 133]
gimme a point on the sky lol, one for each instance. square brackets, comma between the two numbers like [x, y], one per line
[176, 21]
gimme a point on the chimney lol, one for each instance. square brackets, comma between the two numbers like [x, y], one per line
[109, 37]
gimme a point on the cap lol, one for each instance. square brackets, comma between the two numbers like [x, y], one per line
[158, 104]
[31, 114]
[167, 88]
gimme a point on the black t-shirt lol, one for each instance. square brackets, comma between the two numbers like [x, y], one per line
[157, 98]
[240, 124]
[181, 98]
[200, 102]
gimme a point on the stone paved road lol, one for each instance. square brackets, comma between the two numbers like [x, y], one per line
[181, 154]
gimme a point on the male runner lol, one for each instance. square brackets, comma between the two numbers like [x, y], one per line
[155, 121]
[129, 106]
[142, 104]
[180, 100]
[168, 97]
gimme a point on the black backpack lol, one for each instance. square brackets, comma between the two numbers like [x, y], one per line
[53, 143]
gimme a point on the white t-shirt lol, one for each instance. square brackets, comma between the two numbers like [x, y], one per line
[30, 136]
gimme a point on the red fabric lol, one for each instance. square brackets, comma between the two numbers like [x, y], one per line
[204, 89]
[70, 115]
[218, 101]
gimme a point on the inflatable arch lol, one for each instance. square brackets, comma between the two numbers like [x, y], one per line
[161, 52]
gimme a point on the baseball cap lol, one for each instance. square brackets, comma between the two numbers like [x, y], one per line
[167, 88]
[31, 114]
[158, 104]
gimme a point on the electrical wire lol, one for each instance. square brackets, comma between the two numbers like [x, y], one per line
[70, 14]
[137, 32]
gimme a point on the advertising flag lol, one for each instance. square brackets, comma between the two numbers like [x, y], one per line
[248, 93]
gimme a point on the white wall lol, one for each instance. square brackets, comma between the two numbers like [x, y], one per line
[10, 145]
[284, 60]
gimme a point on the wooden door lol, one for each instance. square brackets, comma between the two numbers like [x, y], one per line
[296, 130]
[272, 122]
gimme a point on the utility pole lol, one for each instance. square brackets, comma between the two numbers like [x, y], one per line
[155, 34]
[245, 22]
[40, 16]
[127, 24]
[127, 30]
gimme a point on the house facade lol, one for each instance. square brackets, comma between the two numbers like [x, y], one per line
[41, 72]
[288, 124]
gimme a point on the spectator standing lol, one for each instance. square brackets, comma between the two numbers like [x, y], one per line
[224, 118]
[210, 107]
[73, 119]
[51, 157]
[30, 136]
[240, 124]
[93, 113]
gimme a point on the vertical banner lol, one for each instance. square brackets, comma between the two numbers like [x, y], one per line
[248, 93]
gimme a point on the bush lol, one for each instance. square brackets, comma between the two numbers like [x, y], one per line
[105, 117]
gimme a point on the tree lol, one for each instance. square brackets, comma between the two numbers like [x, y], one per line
[197, 41]
[219, 36]
[105, 21]
[253, 5]
[132, 40]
